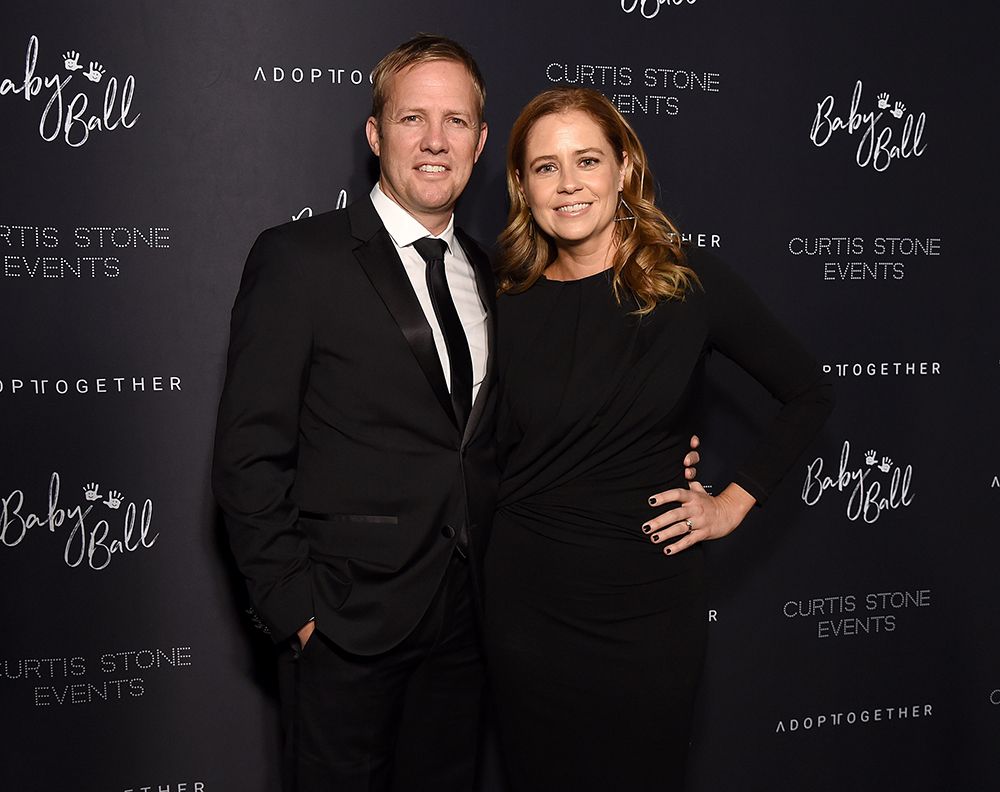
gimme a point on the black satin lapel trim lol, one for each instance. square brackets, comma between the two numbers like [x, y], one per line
[488, 381]
[381, 263]
[486, 286]
[485, 280]
[365, 222]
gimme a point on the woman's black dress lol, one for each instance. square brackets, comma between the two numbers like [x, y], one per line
[595, 638]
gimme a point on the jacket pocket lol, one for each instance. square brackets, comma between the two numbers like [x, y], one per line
[375, 519]
[374, 540]
[330, 586]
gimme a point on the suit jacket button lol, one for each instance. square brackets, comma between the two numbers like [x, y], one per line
[448, 532]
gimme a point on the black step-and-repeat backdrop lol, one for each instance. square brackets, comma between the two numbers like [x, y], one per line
[840, 155]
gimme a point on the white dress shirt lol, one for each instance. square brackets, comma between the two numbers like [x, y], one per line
[404, 230]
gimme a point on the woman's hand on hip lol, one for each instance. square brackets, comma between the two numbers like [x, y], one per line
[699, 517]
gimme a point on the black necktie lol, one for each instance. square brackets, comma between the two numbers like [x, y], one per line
[432, 252]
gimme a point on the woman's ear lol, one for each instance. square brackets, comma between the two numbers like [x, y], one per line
[520, 187]
[625, 171]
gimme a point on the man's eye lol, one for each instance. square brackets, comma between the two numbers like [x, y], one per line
[459, 122]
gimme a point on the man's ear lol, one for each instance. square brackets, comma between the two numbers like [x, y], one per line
[483, 130]
[371, 132]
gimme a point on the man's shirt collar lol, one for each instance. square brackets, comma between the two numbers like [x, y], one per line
[403, 227]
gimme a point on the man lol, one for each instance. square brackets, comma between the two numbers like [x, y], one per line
[354, 452]
[357, 486]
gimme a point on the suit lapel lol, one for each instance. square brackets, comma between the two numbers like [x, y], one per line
[378, 257]
[486, 285]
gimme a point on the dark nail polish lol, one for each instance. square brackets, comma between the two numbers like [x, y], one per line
[666, 550]
[652, 501]
[646, 528]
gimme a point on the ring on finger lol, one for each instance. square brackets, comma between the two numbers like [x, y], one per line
[689, 525]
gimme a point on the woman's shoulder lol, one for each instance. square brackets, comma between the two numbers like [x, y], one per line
[717, 280]
[705, 263]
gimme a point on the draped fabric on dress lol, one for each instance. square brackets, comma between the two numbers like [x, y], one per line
[595, 638]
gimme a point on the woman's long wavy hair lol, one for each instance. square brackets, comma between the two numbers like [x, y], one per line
[649, 262]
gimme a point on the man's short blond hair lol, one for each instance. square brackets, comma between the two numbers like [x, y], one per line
[421, 49]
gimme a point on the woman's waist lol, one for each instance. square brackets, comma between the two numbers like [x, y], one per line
[602, 499]
[619, 480]
[587, 553]
[583, 520]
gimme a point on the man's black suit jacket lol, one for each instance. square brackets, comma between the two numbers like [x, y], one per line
[342, 475]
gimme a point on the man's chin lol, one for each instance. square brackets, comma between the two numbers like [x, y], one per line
[437, 202]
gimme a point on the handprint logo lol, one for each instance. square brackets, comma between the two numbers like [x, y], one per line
[90, 492]
[898, 110]
[883, 101]
[114, 499]
[870, 457]
[71, 60]
[886, 464]
[95, 73]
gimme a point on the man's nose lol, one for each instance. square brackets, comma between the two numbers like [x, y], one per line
[434, 139]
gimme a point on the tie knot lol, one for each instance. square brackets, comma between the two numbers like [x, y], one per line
[431, 249]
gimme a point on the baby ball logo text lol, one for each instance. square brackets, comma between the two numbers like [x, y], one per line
[873, 487]
[883, 140]
[120, 528]
[69, 117]
[650, 8]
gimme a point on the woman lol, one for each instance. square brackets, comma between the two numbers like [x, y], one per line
[596, 615]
